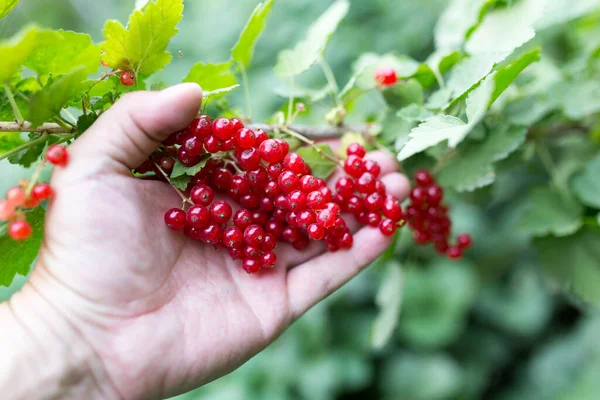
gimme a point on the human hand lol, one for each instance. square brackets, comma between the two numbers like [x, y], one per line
[144, 311]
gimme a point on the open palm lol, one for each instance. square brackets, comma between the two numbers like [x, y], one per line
[165, 314]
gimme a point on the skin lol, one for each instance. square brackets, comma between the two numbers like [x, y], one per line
[121, 307]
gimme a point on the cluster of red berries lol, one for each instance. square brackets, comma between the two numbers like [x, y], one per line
[20, 198]
[429, 219]
[280, 200]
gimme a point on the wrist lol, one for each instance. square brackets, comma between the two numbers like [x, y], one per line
[44, 354]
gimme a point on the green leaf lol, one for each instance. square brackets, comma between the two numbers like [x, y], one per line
[221, 91]
[142, 46]
[17, 257]
[14, 52]
[467, 73]
[180, 170]
[321, 167]
[586, 185]
[64, 52]
[6, 6]
[452, 26]
[404, 93]
[549, 212]
[31, 154]
[307, 52]
[212, 76]
[181, 182]
[388, 299]
[507, 74]
[472, 166]
[48, 102]
[85, 121]
[505, 29]
[578, 99]
[414, 113]
[10, 140]
[572, 262]
[244, 48]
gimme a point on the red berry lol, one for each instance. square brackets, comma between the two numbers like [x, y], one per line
[269, 242]
[201, 127]
[251, 266]
[7, 210]
[212, 144]
[31, 202]
[258, 177]
[374, 202]
[236, 254]
[167, 163]
[186, 159]
[274, 170]
[290, 234]
[354, 166]
[245, 138]
[454, 252]
[326, 217]
[250, 201]
[260, 136]
[308, 183]
[19, 230]
[57, 155]
[42, 191]
[316, 231]
[249, 159]
[421, 238]
[279, 214]
[293, 162]
[212, 234]
[345, 186]
[233, 237]
[418, 196]
[434, 194]
[373, 219]
[365, 184]
[346, 240]
[260, 218]
[305, 218]
[287, 181]
[464, 241]
[220, 212]
[127, 78]
[355, 149]
[275, 227]
[242, 218]
[221, 179]
[387, 227]
[237, 124]
[272, 151]
[194, 146]
[372, 167]
[175, 219]
[291, 219]
[202, 194]
[392, 208]
[423, 178]
[380, 188]
[316, 200]
[272, 189]
[198, 216]
[252, 252]
[268, 259]
[354, 205]
[254, 235]
[223, 128]
[15, 196]
[386, 76]
[297, 201]
[239, 185]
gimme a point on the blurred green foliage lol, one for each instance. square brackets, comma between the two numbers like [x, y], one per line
[489, 327]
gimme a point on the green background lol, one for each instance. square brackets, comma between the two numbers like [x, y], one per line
[488, 327]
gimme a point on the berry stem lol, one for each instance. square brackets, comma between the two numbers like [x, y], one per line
[104, 76]
[291, 100]
[332, 83]
[185, 199]
[233, 164]
[311, 143]
[246, 91]
[13, 104]
[34, 142]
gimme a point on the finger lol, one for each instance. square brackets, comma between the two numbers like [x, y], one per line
[125, 135]
[396, 184]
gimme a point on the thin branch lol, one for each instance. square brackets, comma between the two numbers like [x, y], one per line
[311, 143]
[163, 173]
[13, 104]
[41, 139]
[48, 127]
[317, 132]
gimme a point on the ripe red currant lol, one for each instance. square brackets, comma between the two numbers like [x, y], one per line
[463, 241]
[355, 149]
[7, 210]
[127, 78]
[223, 128]
[20, 230]
[57, 155]
[387, 227]
[272, 151]
[423, 178]
[220, 212]
[198, 216]
[175, 219]
[201, 127]
[254, 235]
[15, 196]
[386, 76]
[268, 259]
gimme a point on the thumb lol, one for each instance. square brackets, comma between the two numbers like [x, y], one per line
[125, 135]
